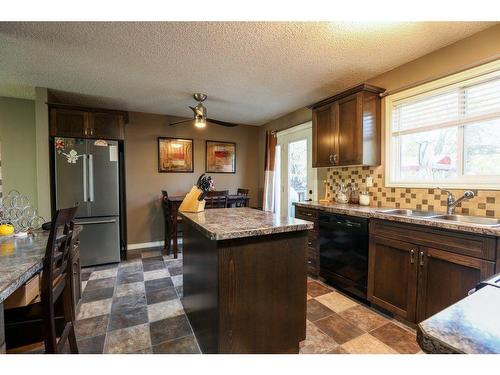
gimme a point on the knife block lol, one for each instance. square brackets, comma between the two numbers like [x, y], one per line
[191, 202]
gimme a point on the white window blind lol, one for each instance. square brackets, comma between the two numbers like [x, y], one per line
[446, 134]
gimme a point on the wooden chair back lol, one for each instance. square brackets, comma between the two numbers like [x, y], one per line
[243, 193]
[56, 282]
[217, 199]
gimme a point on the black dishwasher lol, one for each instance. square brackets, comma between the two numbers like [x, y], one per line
[344, 252]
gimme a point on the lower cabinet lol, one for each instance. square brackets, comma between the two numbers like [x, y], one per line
[312, 241]
[414, 278]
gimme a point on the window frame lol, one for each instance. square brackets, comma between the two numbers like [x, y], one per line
[464, 78]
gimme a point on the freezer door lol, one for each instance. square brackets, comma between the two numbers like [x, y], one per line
[103, 178]
[71, 174]
[99, 240]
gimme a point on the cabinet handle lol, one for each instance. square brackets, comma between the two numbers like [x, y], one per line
[92, 131]
[412, 256]
[309, 243]
[309, 262]
[86, 131]
[421, 258]
[335, 159]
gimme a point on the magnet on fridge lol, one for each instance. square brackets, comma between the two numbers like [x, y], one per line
[113, 153]
[101, 142]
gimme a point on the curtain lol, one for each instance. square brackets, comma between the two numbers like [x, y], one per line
[268, 201]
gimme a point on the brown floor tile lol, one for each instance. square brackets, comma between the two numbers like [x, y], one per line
[169, 329]
[93, 345]
[184, 345]
[367, 344]
[108, 282]
[316, 342]
[160, 295]
[128, 318]
[91, 327]
[315, 289]
[157, 284]
[97, 294]
[338, 328]
[397, 338]
[338, 350]
[363, 318]
[316, 310]
[128, 340]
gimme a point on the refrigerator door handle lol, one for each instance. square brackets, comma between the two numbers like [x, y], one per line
[95, 222]
[91, 177]
[85, 177]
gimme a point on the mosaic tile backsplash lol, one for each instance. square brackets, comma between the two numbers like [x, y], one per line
[485, 203]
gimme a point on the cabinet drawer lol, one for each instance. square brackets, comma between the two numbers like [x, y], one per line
[306, 213]
[25, 294]
[474, 245]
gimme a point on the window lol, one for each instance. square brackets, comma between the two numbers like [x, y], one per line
[447, 132]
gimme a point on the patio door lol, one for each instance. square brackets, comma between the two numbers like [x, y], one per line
[295, 177]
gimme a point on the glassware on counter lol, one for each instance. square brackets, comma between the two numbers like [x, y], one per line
[342, 194]
[364, 198]
[354, 195]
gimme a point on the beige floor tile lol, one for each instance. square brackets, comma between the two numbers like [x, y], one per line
[336, 301]
[156, 274]
[127, 340]
[367, 344]
[84, 284]
[316, 342]
[177, 280]
[91, 309]
[103, 274]
[164, 310]
[131, 288]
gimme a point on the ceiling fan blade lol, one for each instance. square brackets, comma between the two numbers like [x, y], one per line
[223, 123]
[180, 122]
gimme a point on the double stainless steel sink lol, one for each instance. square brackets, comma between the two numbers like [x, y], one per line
[485, 221]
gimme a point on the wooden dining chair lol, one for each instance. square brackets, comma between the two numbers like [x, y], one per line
[167, 216]
[52, 319]
[243, 202]
[217, 199]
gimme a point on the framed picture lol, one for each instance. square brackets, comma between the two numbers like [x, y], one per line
[175, 155]
[221, 157]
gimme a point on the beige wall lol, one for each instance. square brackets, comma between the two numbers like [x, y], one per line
[144, 183]
[475, 49]
[17, 137]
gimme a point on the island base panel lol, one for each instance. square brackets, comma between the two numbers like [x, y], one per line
[2, 331]
[246, 295]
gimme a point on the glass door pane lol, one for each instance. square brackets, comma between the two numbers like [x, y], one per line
[297, 173]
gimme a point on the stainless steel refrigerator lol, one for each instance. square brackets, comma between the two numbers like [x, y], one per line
[87, 175]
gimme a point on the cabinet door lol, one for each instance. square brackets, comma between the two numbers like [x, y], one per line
[445, 278]
[68, 123]
[323, 136]
[350, 130]
[392, 276]
[107, 126]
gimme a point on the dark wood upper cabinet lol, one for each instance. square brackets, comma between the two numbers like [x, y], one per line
[392, 276]
[323, 135]
[346, 128]
[84, 122]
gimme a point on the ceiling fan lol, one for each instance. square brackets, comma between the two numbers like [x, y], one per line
[200, 114]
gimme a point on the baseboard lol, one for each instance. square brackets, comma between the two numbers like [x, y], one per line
[144, 245]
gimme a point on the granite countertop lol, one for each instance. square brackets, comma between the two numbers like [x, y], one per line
[20, 259]
[374, 212]
[471, 325]
[226, 223]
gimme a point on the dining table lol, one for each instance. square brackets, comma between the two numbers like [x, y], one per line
[176, 200]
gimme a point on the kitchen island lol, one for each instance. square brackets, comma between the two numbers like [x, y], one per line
[245, 280]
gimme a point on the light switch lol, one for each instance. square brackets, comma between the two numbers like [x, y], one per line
[369, 182]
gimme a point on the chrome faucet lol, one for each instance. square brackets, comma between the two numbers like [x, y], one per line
[452, 202]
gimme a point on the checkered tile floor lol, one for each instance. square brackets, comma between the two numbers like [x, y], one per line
[339, 324]
[134, 307]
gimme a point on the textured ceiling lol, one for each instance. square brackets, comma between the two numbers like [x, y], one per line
[252, 71]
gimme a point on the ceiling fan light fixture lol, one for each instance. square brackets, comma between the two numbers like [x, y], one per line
[200, 122]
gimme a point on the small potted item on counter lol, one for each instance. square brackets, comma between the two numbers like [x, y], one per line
[364, 198]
